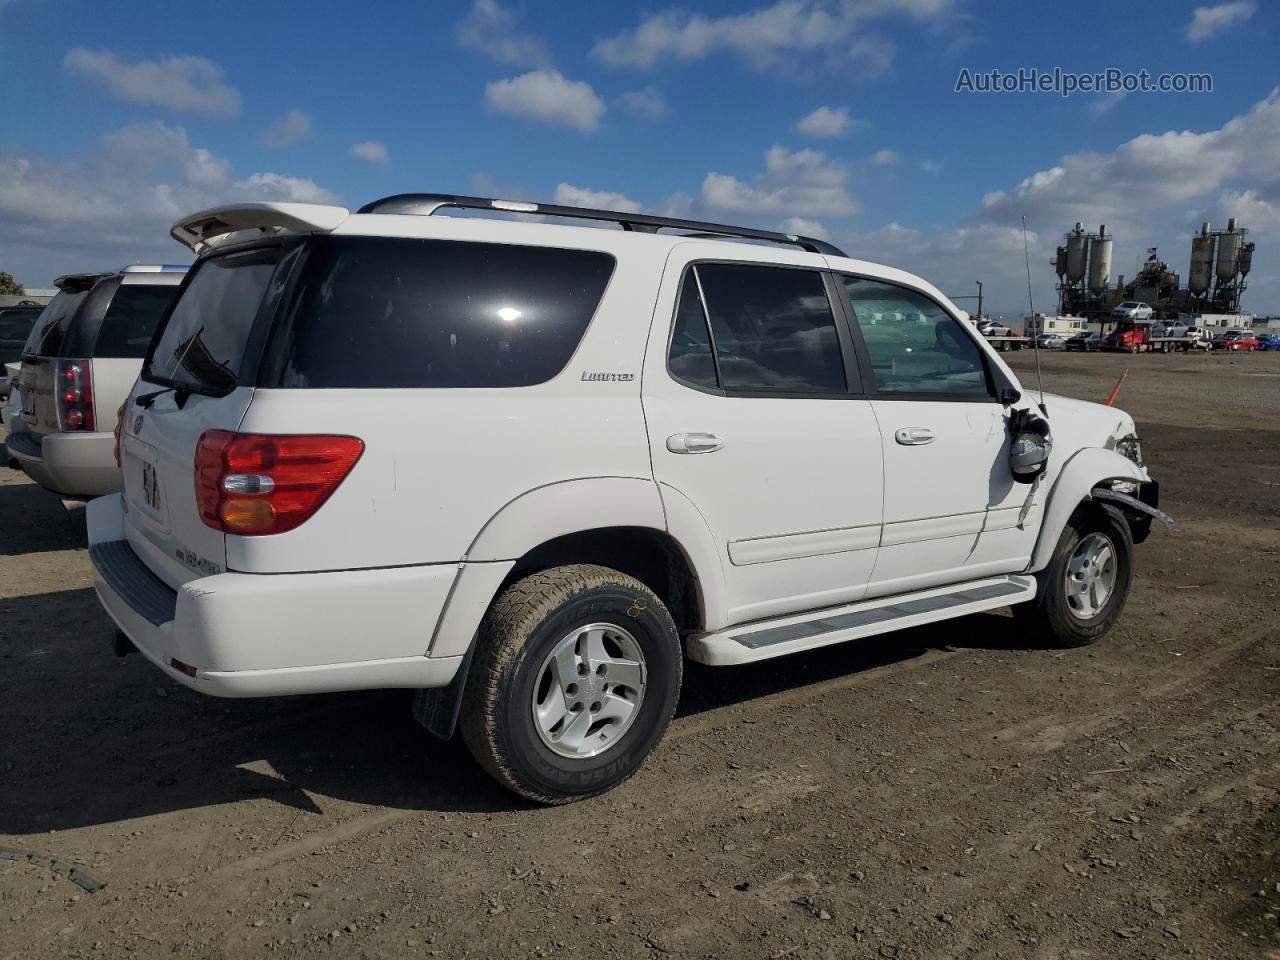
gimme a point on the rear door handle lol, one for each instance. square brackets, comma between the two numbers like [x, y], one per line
[913, 436]
[694, 443]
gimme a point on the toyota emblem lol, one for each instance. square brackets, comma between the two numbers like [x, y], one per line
[137, 423]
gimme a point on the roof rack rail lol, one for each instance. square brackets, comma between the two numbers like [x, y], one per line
[425, 204]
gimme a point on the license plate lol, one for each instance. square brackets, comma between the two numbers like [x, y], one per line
[150, 487]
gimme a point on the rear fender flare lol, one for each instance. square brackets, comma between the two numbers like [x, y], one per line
[1081, 473]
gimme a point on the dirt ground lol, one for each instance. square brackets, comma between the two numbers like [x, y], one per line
[946, 792]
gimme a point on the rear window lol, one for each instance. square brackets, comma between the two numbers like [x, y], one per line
[45, 338]
[203, 343]
[16, 324]
[131, 319]
[383, 312]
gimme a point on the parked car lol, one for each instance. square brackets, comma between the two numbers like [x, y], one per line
[1050, 341]
[1268, 341]
[1235, 340]
[1132, 310]
[526, 467]
[78, 364]
[1084, 342]
[15, 326]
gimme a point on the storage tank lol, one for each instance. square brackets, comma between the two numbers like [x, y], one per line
[1099, 261]
[1229, 245]
[1060, 262]
[1246, 259]
[1201, 274]
[1077, 253]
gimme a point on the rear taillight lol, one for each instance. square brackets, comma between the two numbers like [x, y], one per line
[75, 394]
[253, 484]
[119, 430]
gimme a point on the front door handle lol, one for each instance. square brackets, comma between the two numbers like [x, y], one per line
[913, 436]
[694, 443]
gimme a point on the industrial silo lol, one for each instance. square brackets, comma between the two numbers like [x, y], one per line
[1077, 254]
[1060, 262]
[1246, 259]
[1229, 245]
[1099, 261]
[1201, 262]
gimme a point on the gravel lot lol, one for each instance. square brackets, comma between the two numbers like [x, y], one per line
[940, 793]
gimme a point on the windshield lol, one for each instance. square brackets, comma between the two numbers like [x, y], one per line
[202, 344]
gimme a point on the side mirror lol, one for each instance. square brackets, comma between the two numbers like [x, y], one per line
[1009, 396]
[1029, 446]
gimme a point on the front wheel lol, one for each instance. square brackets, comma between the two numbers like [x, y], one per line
[1082, 591]
[576, 676]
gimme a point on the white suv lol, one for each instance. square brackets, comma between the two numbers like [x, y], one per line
[78, 364]
[527, 467]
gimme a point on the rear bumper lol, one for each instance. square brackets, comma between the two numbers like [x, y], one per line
[248, 635]
[78, 465]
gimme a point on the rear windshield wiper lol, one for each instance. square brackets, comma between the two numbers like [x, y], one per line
[181, 393]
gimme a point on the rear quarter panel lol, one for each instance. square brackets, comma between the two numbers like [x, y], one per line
[438, 464]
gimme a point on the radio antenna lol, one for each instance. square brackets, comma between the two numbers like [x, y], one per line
[1035, 339]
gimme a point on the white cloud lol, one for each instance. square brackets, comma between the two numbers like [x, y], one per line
[1104, 103]
[372, 151]
[648, 103]
[491, 29]
[278, 186]
[828, 122]
[799, 226]
[768, 36]
[931, 166]
[291, 128]
[1209, 21]
[884, 158]
[570, 196]
[796, 183]
[1149, 173]
[186, 83]
[117, 204]
[546, 96]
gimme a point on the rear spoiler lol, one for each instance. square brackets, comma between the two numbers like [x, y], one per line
[204, 230]
[78, 282]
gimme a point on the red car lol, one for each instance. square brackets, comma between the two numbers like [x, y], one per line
[1235, 340]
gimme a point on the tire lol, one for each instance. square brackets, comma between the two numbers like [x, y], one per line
[1053, 614]
[513, 671]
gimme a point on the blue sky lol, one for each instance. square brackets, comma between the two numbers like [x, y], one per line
[118, 123]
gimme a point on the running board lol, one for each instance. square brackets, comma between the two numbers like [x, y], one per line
[765, 639]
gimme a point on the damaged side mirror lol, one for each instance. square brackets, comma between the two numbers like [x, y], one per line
[1029, 446]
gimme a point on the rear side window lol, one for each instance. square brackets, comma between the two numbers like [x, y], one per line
[914, 345]
[771, 330]
[393, 312]
[131, 319]
[203, 343]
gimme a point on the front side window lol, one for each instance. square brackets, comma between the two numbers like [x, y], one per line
[772, 328]
[394, 312]
[914, 345]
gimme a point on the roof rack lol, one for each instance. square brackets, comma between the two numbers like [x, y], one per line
[425, 204]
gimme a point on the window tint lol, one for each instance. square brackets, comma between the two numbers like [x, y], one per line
[393, 312]
[16, 324]
[203, 342]
[45, 339]
[691, 359]
[914, 345]
[131, 319]
[773, 329]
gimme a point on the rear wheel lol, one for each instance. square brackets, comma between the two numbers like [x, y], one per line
[576, 676]
[1083, 589]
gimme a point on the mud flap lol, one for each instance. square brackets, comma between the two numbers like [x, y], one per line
[437, 708]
